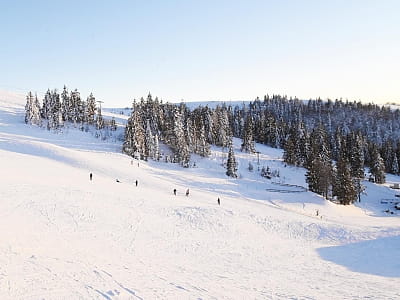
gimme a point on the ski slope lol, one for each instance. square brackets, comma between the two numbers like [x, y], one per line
[66, 237]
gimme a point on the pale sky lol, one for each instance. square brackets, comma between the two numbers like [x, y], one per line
[203, 50]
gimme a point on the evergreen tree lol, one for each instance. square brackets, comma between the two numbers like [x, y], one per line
[91, 109]
[28, 108]
[151, 143]
[32, 110]
[139, 139]
[320, 171]
[77, 108]
[378, 167]
[99, 120]
[248, 137]
[35, 113]
[344, 186]
[356, 157]
[54, 111]
[231, 166]
[65, 105]
[178, 141]
[289, 155]
[46, 106]
[319, 176]
[128, 145]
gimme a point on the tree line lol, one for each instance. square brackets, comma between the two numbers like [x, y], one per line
[57, 110]
[333, 140]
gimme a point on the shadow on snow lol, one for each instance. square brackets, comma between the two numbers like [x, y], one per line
[379, 257]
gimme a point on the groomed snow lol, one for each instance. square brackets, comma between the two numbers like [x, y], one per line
[66, 237]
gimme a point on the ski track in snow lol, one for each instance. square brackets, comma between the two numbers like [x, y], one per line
[65, 237]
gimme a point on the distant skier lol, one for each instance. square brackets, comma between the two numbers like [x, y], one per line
[90, 176]
[187, 192]
[136, 182]
[175, 192]
[219, 202]
[117, 180]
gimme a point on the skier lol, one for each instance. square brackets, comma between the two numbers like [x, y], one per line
[175, 192]
[90, 176]
[187, 192]
[219, 202]
[136, 182]
[117, 180]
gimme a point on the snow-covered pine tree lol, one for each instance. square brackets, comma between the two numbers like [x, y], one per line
[55, 118]
[190, 135]
[319, 144]
[99, 120]
[356, 156]
[139, 139]
[221, 128]
[237, 121]
[178, 142]
[46, 106]
[231, 165]
[82, 109]
[320, 171]
[28, 108]
[289, 155]
[207, 116]
[51, 109]
[297, 148]
[248, 134]
[32, 110]
[35, 112]
[386, 151]
[377, 167]
[128, 145]
[319, 176]
[151, 145]
[77, 111]
[65, 105]
[344, 187]
[91, 109]
[203, 147]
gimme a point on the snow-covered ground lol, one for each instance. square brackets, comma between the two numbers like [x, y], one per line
[63, 236]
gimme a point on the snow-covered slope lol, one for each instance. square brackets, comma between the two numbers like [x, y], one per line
[66, 237]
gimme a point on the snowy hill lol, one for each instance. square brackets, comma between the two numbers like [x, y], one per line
[66, 237]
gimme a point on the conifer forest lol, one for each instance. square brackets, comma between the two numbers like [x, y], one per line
[340, 143]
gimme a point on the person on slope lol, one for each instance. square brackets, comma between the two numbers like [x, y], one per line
[187, 192]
